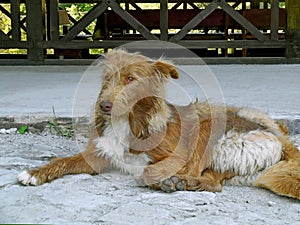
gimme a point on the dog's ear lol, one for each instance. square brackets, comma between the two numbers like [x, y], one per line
[166, 69]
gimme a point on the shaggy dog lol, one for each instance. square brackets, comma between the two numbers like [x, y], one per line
[194, 147]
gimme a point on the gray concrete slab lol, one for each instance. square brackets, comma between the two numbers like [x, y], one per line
[33, 90]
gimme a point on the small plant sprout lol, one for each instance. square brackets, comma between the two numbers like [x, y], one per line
[23, 129]
[59, 130]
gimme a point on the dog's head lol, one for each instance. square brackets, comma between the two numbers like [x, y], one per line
[133, 82]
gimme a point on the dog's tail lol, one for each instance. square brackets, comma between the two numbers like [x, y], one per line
[283, 178]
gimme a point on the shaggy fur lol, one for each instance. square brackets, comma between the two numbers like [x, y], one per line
[194, 147]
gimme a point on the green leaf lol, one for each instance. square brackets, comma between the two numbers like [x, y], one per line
[23, 129]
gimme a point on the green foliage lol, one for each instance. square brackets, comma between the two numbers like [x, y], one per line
[282, 5]
[23, 129]
[5, 26]
[58, 129]
[77, 11]
[77, 7]
[4, 20]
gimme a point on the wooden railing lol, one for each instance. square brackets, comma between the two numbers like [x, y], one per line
[218, 22]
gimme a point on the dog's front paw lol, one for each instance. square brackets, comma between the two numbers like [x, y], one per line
[172, 184]
[140, 181]
[26, 178]
[203, 185]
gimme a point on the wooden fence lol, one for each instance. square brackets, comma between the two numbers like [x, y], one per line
[220, 24]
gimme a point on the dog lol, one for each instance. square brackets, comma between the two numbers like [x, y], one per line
[196, 147]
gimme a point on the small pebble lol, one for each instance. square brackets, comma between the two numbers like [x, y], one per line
[13, 130]
[113, 188]
[2, 131]
[270, 203]
[8, 131]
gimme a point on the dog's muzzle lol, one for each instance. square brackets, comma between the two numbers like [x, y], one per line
[106, 107]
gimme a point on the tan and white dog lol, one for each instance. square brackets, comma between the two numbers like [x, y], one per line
[195, 147]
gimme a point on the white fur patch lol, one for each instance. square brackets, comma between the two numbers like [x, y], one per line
[247, 180]
[159, 121]
[26, 179]
[245, 154]
[114, 145]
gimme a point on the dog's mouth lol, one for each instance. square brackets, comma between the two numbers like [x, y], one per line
[107, 113]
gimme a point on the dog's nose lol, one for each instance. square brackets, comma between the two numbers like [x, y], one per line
[106, 106]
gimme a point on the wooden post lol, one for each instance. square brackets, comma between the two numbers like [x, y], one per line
[15, 20]
[53, 20]
[255, 4]
[35, 28]
[244, 50]
[274, 19]
[293, 28]
[164, 20]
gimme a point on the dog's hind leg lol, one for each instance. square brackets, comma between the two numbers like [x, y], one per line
[86, 162]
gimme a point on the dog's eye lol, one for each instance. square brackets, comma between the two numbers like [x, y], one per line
[130, 79]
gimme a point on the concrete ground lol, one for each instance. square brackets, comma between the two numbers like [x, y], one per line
[33, 90]
[29, 92]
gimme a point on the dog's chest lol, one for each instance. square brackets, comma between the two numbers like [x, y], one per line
[114, 146]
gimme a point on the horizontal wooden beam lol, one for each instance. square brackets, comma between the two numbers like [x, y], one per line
[177, 61]
[15, 44]
[81, 44]
[233, 44]
[77, 44]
